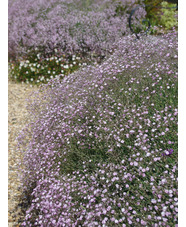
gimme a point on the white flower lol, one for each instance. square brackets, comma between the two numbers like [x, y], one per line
[135, 164]
[118, 145]
[163, 181]
[22, 63]
[153, 201]
[33, 69]
[123, 210]
[111, 113]
[117, 185]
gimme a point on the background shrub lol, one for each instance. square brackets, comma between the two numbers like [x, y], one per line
[68, 26]
[168, 17]
[41, 30]
[60, 29]
[161, 13]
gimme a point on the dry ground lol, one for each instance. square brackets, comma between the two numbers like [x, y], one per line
[17, 118]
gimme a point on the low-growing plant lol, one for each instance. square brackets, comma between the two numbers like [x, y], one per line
[39, 69]
[101, 145]
[113, 195]
[64, 26]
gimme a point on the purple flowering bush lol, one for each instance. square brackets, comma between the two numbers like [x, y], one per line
[93, 149]
[41, 30]
[70, 26]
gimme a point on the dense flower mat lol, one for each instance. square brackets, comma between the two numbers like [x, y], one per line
[101, 148]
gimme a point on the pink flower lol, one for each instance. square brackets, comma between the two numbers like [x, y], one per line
[143, 222]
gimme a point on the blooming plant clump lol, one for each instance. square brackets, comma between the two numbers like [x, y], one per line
[122, 195]
[163, 14]
[40, 70]
[41, 32]
[70, 26]
[101, 145]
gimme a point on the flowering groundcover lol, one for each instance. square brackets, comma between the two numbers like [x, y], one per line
[94, 156]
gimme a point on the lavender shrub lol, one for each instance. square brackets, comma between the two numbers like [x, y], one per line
[101, 147]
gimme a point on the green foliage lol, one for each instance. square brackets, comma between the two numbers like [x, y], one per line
[37, 69]
[120, 9]
[161, 13]
[168, 17]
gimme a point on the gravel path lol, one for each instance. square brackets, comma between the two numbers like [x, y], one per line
[17, 118]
